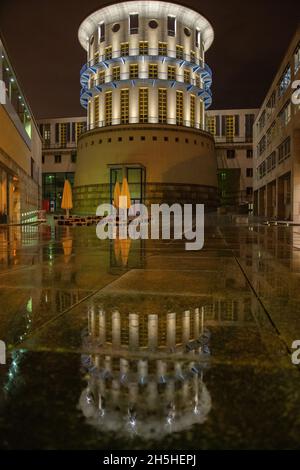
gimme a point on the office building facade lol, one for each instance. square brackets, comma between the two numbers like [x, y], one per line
[277, 143]
[20, 150]
[232, 130]
[60, 138]
[146, 88]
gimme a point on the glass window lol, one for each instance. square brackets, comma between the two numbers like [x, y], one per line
[143, 104]
[108, 52]
[187, 76]
[179, 108]
[211, 124]
[153, 70]
[124, 97]
[143, 47]
[162, 49]
[162, 105]
[124, 49]
[116, 73]
[192, 110]
[171, 26]
[108, 108]
[96, 111]
[101, 77]
[134, 71]
[134, 23]
[179, 52]
[171, 72]
[57, 158]
[102, 32]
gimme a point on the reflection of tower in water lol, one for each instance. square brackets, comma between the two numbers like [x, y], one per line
[147, 374]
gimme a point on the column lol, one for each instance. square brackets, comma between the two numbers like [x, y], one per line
[186, 327]
[171, 330]
[133, 331]
[142, 371]
[196, 323]
[116, 329]
[152, 332]
[102, 327]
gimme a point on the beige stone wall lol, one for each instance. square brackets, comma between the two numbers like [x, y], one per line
[183, 171]
[190, 160]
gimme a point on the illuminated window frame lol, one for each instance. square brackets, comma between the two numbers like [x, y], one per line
[171, 72]
[187, 76]
[143, 48]
[211, 125]
[162, 48]
[108, 52]
[179, 108]
[192, 110]
[152, 71]
[124, 105]
[179, 51]
[134, 71]
[143, 104]
[108, 108]
[162, 105]
[230, 126]
[101, 77]
[116, 73]
[124, 49]
[96, 110]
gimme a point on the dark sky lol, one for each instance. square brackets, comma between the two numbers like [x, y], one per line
[251, 37]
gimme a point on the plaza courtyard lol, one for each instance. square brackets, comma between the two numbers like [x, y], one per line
[143, 345]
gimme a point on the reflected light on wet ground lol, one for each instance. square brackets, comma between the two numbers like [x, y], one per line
[141, 344]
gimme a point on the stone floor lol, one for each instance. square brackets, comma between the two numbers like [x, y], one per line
[141, 344]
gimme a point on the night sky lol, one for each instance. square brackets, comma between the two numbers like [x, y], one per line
[251, 37]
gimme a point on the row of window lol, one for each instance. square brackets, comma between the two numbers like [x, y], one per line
[66, 132]
[283, 118]
[229, 126]
[133, 28]
[282, 86]
[143, 138]
[58, 158]
[143, 108]
[144, 50]
[153, 73]
[282, 153]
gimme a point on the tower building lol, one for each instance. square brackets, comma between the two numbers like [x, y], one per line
[145, 88]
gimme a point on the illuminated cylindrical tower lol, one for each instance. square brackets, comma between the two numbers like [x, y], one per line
[145, 87]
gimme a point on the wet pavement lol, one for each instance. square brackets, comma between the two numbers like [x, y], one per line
[143, 345]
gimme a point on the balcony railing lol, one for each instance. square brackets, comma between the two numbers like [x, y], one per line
[151, 52]
[145, 75]
[150, 120]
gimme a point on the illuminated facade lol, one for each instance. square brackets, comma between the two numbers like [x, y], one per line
[20, 150]
[59, 157]
[146, 88]
[233, 133]
[277, 144]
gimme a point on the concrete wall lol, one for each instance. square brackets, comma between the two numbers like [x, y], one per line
[183, 171]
